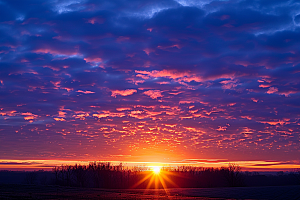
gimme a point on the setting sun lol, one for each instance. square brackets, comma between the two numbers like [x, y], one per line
[156, 169]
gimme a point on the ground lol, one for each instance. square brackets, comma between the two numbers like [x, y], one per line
[13, 191]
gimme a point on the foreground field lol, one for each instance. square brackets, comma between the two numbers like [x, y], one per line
[12, 191]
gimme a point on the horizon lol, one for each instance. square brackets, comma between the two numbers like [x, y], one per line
[171, 82]
[48, 165]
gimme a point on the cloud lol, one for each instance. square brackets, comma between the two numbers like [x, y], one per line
[126, 92]
[272, 90]
[154, 94]
[70, 71]
[85, 92]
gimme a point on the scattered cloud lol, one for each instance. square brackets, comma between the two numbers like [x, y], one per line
[126, 92]
[95, 79]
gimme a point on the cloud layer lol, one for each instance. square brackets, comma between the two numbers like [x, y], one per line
[179, 79]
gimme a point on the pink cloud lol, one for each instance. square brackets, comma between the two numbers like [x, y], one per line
[93, 59]
[264, 85]
[51, 67]
[55, 52]
[272, 90]
[148, 51]
[122, 38]
[223, 17]
[134, 81]
[126, 92]
[172, 74]
[95, 20]
[287, 94]
[229, 84]
[154, 94]
[85, 92]
[167, 47]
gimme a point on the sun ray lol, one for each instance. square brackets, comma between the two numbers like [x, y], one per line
[164, 185]
[169, 180]
[158, 177]
[141, 181]
[150, 182]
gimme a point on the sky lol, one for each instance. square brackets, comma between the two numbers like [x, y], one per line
[174, 81]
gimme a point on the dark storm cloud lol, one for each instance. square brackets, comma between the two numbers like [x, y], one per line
[93, 78]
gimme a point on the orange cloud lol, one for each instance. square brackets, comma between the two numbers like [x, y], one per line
[122, 109]
[222, 128]
[127, 92]
[59, 119]
[108, 114]
[8, 113]
[29, 116]
[100, 115]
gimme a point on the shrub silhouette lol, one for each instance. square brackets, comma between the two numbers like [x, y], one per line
[233, 175]
[105, 175]
[30, 178]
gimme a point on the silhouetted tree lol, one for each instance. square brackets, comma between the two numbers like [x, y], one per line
[30, 178]
[233, 175]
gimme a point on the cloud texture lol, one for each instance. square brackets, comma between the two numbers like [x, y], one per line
[179, 79]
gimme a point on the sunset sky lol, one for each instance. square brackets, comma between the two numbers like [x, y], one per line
[172, 81]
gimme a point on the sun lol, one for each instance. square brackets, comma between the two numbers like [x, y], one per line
[157, 176]
[156, 170]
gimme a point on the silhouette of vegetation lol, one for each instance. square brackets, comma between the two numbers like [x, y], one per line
[296, 173]
[233, 175]
[105, 175]
[30, 178]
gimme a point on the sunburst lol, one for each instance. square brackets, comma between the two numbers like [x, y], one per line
[156, 176]
[156, 170]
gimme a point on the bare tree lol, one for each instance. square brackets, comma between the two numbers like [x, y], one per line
[233, 175]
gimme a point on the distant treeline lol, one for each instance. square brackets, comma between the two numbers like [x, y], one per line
[105, 175]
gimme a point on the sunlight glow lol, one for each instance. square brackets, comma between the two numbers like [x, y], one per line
[156, 169]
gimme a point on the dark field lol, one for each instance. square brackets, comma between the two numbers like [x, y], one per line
[13, 191]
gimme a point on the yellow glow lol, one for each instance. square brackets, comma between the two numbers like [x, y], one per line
[156, 169]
